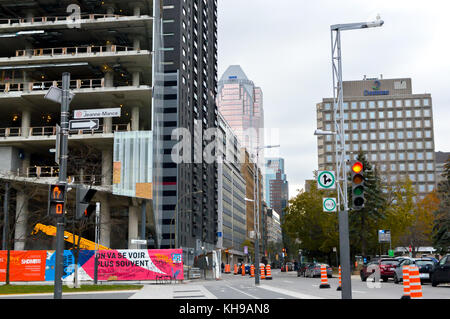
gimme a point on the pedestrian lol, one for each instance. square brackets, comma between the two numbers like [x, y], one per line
[223, 266]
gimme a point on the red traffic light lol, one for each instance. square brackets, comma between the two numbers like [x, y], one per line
[357, 167]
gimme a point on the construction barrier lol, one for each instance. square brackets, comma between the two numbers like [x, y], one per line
[339, 288]
[235, 269]
[406, 288]
[227, 269]
[262, 272]
[414, 283]
[252, 271]
[323, 277]
[268, 272]
[243, 270]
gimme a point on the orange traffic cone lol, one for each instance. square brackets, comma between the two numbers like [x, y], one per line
[406, 288]
[262, 273]
[252, 271]
[414, 283]
[323, 277]
[268, 272]
[340, 280]
[243, 270]
[235, 269]
[287, 268]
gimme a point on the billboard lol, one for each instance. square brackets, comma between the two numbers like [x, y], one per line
[24, 265]
[120, 265]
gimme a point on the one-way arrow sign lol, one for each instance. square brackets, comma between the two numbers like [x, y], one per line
[84, 125]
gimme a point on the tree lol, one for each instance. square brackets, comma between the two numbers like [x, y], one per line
[420, 232]
[306, 223]
[363, 223]
[441, 224]
[400, 212]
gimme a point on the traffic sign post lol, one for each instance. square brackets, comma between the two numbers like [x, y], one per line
[329, 205]
[326, 180]
[82, 125]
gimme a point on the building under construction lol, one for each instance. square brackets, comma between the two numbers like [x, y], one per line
[110, 49]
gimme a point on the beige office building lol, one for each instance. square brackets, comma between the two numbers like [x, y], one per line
[393, 126]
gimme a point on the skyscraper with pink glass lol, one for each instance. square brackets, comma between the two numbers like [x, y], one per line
[241, 104]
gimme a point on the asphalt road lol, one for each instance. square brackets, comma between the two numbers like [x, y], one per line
[282, 286]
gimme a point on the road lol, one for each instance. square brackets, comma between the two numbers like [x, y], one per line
[282, 286]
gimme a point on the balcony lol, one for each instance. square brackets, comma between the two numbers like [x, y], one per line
[50, 174]
[48, 131]
[87, 21]
[96, 55]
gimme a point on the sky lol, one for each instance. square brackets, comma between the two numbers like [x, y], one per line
[284, 47]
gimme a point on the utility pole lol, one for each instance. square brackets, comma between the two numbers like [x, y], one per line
[5, 237]
[59, 253]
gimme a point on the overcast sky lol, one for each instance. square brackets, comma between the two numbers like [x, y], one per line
[284, 47]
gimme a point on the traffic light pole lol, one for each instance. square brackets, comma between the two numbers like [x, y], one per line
[59, 253]
[341, 164]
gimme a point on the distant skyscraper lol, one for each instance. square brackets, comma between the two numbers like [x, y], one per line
[241, 104]
[276, 186]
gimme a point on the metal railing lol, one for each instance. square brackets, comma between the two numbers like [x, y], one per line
[46, 85]
[53, 172]
[73, 50]
[53, 19]
[51, 130]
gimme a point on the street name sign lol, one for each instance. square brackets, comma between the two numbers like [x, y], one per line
[80, 125]
[326, 180]
[329, 205]
[97, 113]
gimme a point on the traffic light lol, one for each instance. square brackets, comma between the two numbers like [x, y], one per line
[84, 208]
[357, 171]
[56, 200]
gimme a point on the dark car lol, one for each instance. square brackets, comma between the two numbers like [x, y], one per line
[301, 269]
[386, 267]
[441, 272]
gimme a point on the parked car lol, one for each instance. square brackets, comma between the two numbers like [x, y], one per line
[314, 270]
[425, 266]
[301, 269]
[441, 272]
[386, 267]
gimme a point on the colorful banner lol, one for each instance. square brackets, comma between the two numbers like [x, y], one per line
[162, 264]
[24, 265]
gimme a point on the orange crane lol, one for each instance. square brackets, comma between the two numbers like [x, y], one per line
[69, 237]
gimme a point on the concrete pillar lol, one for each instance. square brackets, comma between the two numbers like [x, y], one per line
[21, 217]
[107, 122]
[135, 118]
[109, 79]
[137, 43]
[105, 221]
[136, 78]
[107, 158]
[133, 224]
[26, 121]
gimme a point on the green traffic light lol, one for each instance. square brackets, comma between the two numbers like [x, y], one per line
[358, 191]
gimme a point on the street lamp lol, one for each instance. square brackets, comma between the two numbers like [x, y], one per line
[257, 211]
[341, 168]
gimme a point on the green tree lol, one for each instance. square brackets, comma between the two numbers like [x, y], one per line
[364, 223]
[305, 222]
[400, 212]
[441, 224]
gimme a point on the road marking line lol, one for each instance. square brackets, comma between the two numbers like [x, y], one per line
[242, 292]
[289, 292]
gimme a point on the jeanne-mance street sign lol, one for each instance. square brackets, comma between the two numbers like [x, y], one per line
[96, 113]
